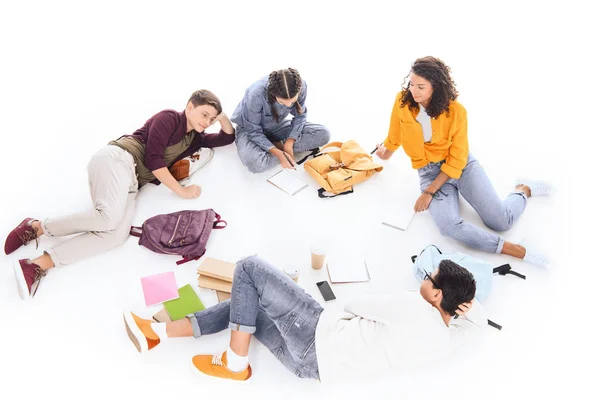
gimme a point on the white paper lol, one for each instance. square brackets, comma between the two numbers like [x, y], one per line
[400, 219]
[348, 270]
[288, 182]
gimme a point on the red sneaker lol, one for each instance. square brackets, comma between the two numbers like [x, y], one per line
[21, 236]
[27, 274]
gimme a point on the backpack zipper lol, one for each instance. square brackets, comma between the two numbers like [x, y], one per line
[174, 231]
[185, 231]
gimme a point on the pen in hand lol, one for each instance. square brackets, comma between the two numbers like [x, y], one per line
[291, 161]
[375, 149]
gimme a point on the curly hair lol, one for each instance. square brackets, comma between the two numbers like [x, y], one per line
[444, 90]
[206, 97]
[457, 284]
[285, 84]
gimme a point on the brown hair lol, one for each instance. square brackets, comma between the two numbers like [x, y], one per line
[206, 97]
[285, 84]
[444, 90]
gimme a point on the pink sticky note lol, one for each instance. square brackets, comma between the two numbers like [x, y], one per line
[160, 287]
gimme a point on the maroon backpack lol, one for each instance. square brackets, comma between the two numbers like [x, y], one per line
[182, 233]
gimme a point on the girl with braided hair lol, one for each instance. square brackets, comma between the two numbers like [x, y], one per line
[264, 137]
[432, 126]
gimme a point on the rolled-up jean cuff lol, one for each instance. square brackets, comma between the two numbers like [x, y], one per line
[500, 245]
[242, 328]
[523, 195]
[195, 327]
[45, 228]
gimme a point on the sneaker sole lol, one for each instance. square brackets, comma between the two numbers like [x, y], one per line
[21, 283]
[134, 332]
[197, 372]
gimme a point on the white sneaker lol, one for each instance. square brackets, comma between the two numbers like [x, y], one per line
[538, 188]
[534, 257]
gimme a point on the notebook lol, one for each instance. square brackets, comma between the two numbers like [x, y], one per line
[348, 270]
[208, 282]
[400, 219]
[288, 181]
[159, 288]
[222, 296]
[162, 316]
[187, 303]
[218, 269]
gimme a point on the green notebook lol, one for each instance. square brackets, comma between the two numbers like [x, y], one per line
[187, 303]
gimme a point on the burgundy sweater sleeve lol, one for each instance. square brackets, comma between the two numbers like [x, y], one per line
[159, 133]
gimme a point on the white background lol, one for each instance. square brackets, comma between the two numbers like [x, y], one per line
[75, 75]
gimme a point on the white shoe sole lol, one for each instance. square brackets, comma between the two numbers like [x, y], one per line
[197, 372]
[21, 283]
[135, 333]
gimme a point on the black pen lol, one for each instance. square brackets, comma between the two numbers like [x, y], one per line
[374, 150]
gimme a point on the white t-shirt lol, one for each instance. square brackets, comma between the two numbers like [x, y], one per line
[379, 334]
[425, 122]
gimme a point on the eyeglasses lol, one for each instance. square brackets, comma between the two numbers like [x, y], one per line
[428, 277]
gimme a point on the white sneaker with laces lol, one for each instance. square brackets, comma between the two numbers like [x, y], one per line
[534, 257]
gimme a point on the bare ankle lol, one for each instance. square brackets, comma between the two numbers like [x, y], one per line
[44, 262]
[37, 225]
[525, 189]
[515, 250]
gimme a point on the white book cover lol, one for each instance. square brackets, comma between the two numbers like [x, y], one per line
[288, 181]
[346, 270]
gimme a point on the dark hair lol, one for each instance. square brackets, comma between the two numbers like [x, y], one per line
[444, 90]
[285, 84]
[206, 97]
[457, 285]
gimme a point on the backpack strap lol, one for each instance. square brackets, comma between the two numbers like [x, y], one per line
[506, 269]
[136, 231]
[217, 222]
[313, 153]
[495, 325]
[321, 195]
[185, 259]
[414, 258]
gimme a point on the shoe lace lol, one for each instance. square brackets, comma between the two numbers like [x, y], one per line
[216, 360]
[28, 236]
[39, 274]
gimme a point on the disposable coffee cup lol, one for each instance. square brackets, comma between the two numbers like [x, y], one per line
[292, 272]
[317, 257]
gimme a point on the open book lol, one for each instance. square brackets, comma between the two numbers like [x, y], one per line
[347, 269]
[288, 181]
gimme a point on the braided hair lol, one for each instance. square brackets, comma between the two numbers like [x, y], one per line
[285, 84]
[444, 90]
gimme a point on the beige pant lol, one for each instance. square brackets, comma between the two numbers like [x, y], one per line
[113, 187]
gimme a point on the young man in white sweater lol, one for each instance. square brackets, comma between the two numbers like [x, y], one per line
[373, 335]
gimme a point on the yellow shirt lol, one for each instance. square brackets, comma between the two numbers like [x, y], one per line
[448, 140]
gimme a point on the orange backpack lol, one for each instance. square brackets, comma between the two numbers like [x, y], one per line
[339, 166]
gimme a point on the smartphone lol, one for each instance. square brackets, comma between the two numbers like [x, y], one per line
[326, 291]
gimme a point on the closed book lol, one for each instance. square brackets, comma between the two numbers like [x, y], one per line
[218, 269]
[222, 296]
[209, 282]
[187, 303]
[162, 316]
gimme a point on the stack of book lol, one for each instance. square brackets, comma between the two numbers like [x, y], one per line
[218, 275]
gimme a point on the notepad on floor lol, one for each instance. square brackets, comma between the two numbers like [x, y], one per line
[159, 288]
[399, 219]
[288, 181]
[187, 303]
[348, 270]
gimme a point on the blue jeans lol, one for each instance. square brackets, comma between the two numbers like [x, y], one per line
[267, 303]
[258, 160]
[477, 190]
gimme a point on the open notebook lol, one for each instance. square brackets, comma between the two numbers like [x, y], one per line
[400, 190]
[348, 269]
[288, 181]
[400, 219]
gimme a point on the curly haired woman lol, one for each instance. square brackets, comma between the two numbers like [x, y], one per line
[264, 137]
[432, 127]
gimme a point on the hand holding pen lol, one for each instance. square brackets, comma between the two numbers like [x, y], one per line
[382, 152]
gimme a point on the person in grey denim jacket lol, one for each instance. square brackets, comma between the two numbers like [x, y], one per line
[264, 136]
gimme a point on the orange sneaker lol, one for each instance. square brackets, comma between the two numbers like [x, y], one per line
[140, 332]
[215, 366]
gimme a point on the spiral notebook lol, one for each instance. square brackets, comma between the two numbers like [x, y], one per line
[288, 181]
